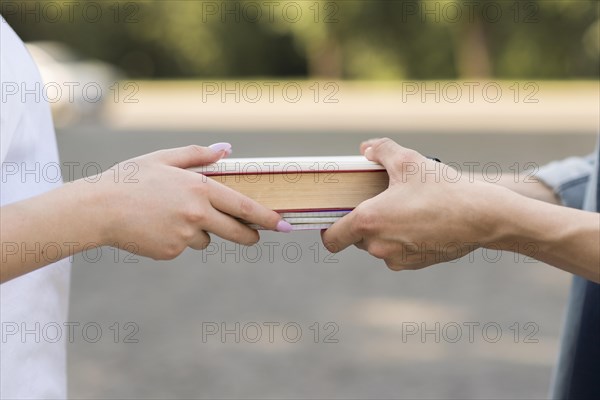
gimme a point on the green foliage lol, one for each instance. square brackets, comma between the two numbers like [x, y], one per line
[351, 39]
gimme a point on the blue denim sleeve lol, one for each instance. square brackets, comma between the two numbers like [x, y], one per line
[568, 178]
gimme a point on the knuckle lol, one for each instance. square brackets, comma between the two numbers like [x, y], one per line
[377, 251]
[200, 187]
[381, 144]
[394, 266]
[196, 216]
[188, 234]
[195, 149]
[385, 141]
[246, 209]
[171, 251]
[364, 221]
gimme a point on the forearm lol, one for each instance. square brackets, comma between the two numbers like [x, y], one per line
[566, 238]
[528, 186]
[46, 228]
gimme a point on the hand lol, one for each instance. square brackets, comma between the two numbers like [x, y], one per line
[426, 216]
[155, 206]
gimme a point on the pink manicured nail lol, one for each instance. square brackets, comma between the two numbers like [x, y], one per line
[283, 226]
[219, 147]
[228, 153]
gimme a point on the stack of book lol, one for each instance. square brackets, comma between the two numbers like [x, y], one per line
[309, 192]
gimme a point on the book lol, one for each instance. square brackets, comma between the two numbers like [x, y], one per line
[309, 192]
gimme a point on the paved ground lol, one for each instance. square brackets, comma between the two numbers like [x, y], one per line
[362, 346]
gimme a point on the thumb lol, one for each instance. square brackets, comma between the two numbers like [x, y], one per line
[396, 159]
[193, 155]
[387, 153]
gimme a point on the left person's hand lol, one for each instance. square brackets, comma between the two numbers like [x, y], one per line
[169, 208]
[157, 212]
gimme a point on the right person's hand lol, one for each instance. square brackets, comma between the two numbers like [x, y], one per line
[422, 218]
[157, 208]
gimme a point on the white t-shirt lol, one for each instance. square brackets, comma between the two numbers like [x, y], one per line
[32, 358]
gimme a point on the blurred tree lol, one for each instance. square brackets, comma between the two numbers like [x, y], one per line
[313, 27]
[352, 39]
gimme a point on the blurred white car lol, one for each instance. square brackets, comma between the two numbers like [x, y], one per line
[74, 87]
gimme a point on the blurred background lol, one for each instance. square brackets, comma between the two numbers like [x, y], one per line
[509, 84]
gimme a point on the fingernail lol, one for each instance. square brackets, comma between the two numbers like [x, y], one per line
[283, 226]
[367, 151]
[228, 153]
[219, 147]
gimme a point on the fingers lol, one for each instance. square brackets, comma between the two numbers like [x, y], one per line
[384, 152]
[341, 234]
[387, 152]
[366, 144]
[230, 229]
[192, 156]
[236, 204]
[200, 241]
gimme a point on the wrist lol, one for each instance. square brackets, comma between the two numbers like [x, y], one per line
[500, 217]
[95, 214]
[517, 223]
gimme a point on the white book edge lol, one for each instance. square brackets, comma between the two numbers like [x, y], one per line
[291, 165]
[300, 227]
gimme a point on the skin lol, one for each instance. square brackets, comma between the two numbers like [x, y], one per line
[433, 214]
[422, 219]
[159, 213]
